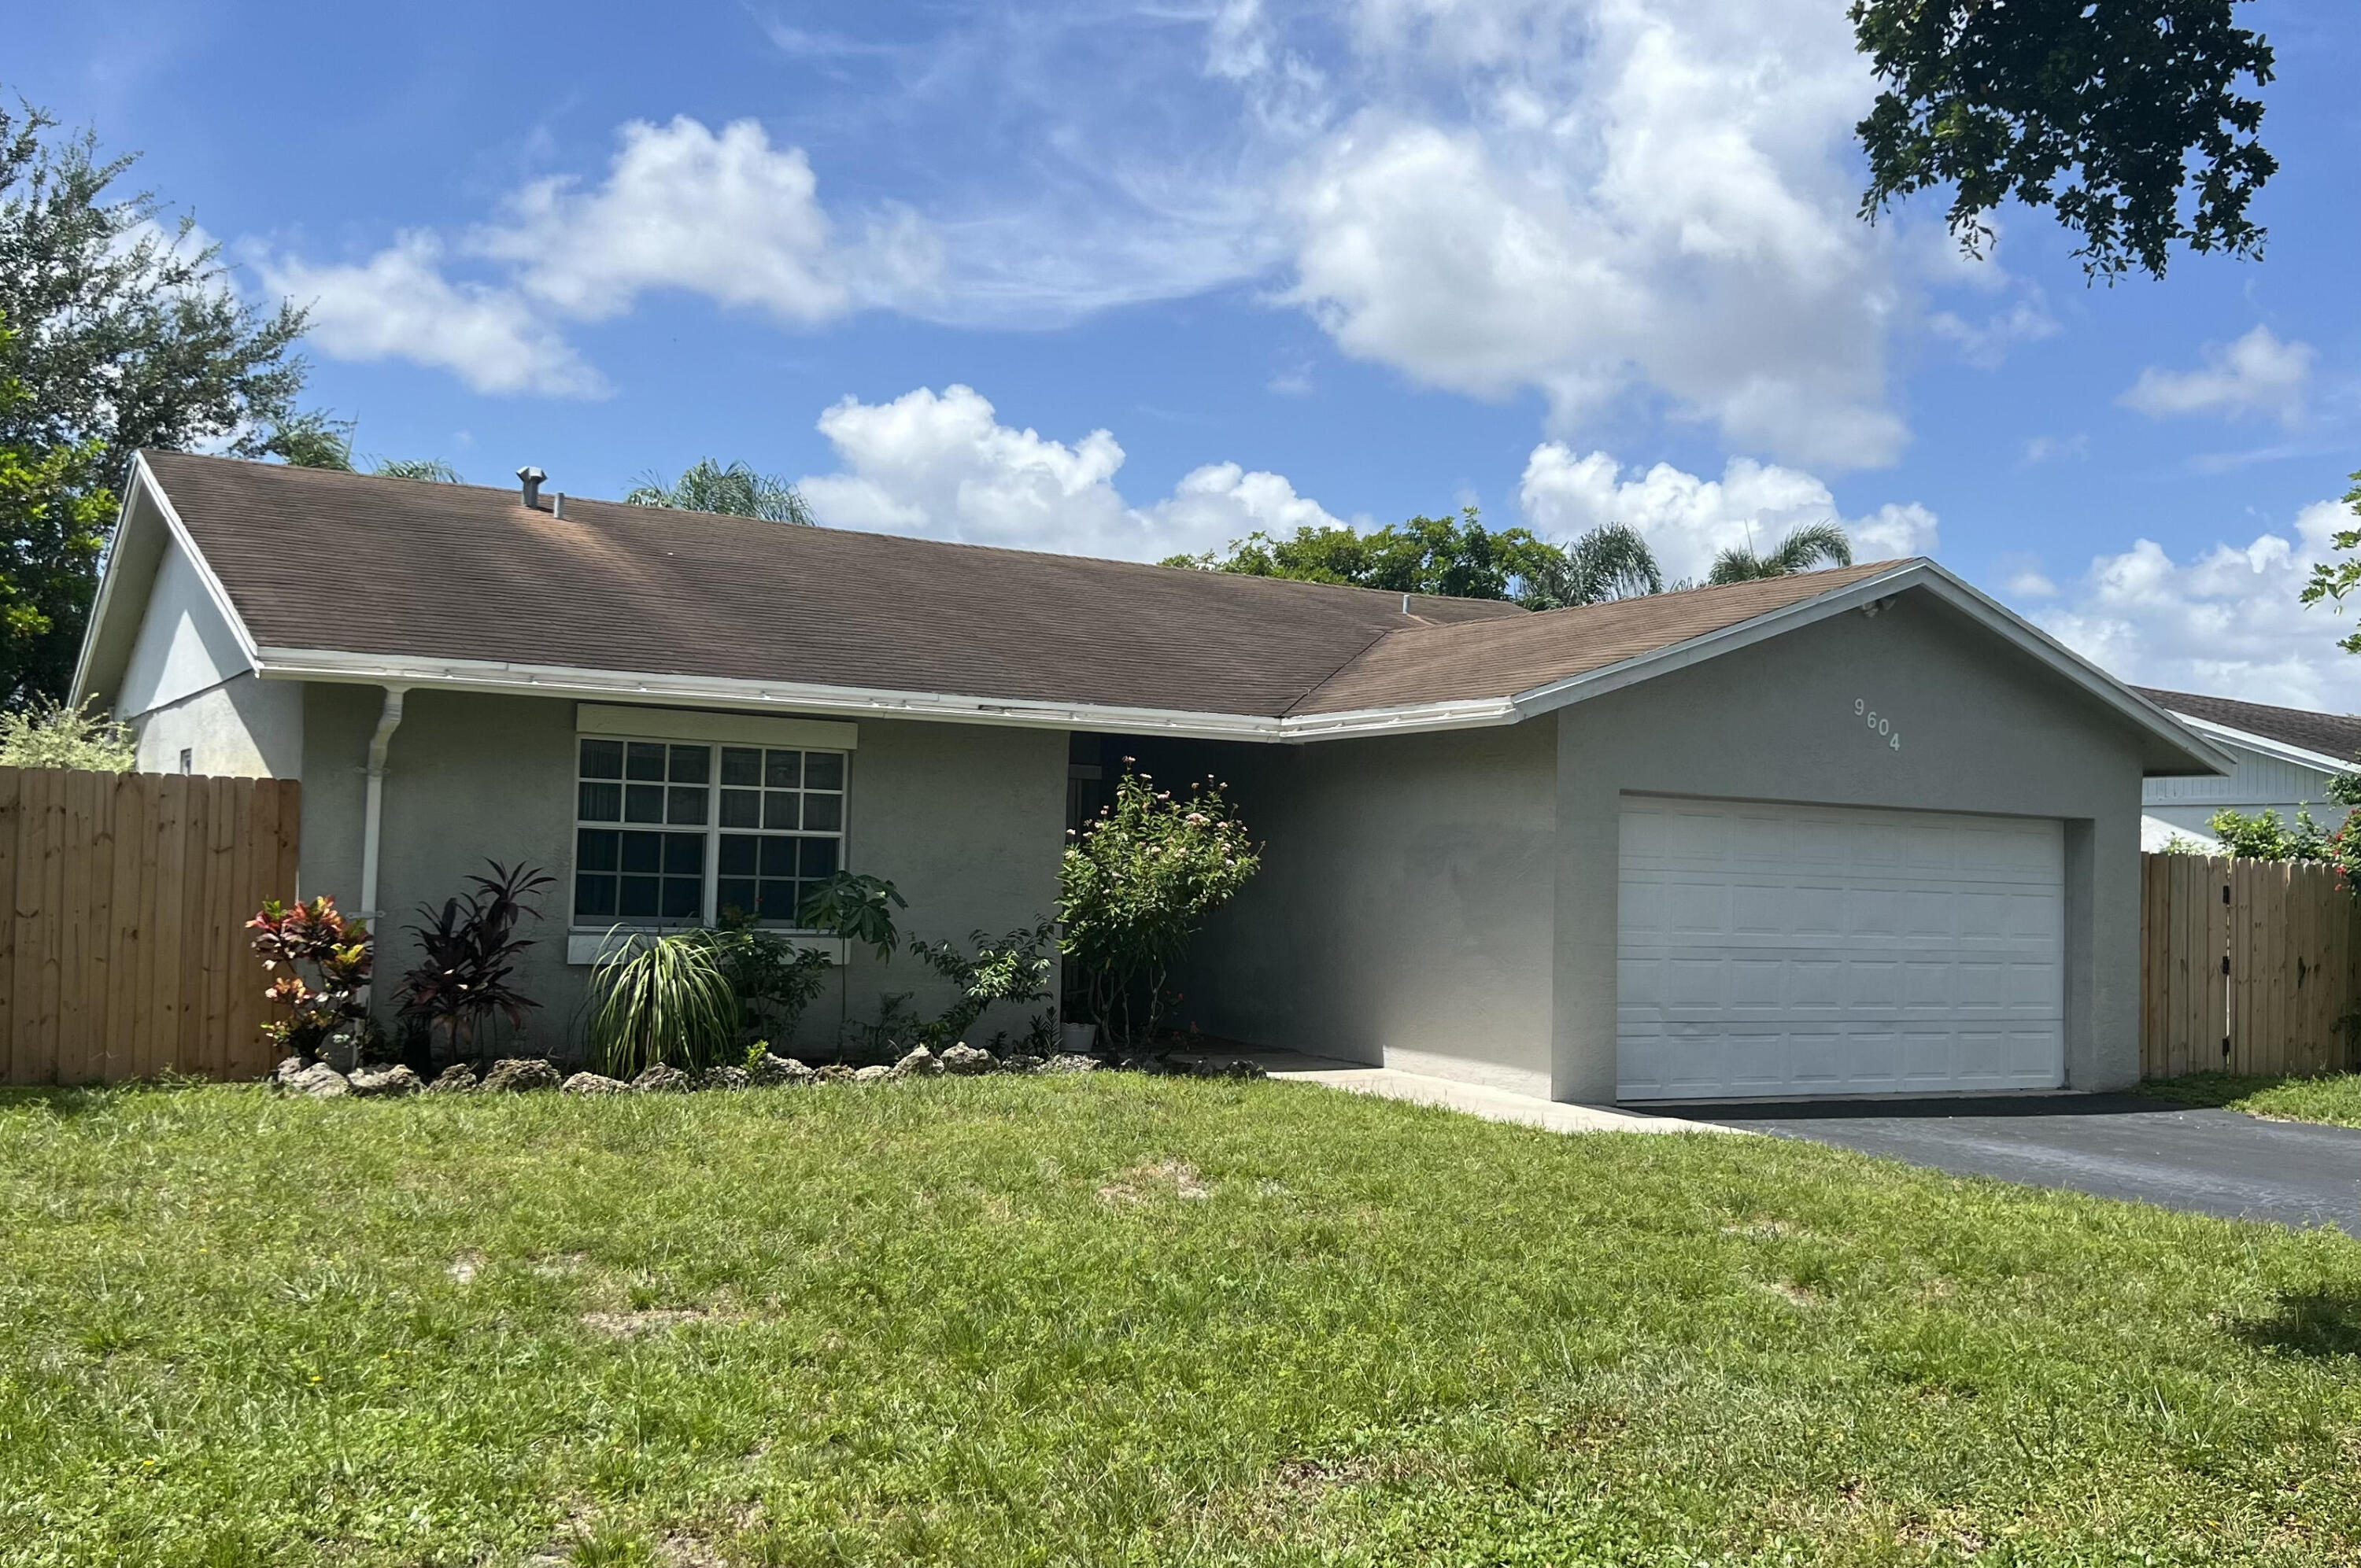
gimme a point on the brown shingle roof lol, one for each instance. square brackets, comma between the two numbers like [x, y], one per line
[2331, 734]
[356, 564]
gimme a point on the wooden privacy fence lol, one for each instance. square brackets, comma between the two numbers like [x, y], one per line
[2245, 966]
[124, 954]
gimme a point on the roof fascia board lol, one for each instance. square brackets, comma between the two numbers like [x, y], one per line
[2281, 751]
[143, 482]
[78, 693]
[2140, 712]
[295, 664]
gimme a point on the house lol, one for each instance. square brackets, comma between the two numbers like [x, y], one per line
[2283, 760]
[1850, 832]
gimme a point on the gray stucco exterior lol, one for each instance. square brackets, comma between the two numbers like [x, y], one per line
[1444, 901]
[966, 820]
[1448, 902]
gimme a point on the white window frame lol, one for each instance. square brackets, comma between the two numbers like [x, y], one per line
[713, 731]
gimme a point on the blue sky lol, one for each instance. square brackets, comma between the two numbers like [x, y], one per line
[1130, 279]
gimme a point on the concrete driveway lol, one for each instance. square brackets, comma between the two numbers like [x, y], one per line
[2117, 1145]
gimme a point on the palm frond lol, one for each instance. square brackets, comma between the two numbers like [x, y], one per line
[1613, 561]
[1813, 544]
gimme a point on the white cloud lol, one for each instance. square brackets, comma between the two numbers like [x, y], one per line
[2046, 448]
[1640, 199]
[2258, 374]
[2032, 585]
[721, 214]
[724, 215]
[1687, 520]
[397, 305]
[2227, 623]
[942, 466]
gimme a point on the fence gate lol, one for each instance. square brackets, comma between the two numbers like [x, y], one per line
[124, 952]
[2245, 966]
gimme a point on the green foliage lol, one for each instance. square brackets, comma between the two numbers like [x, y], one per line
[860, 909]
[314, 440]
[2129, 103]
[2332, 580]
[469, 950]
[128, 334]
[909, 1324]
[1813, 544]
[773, 980]
[662, 999]
[735, 489]
[44, 734]
[429, 470]
[2330, 1098]
[1460, 558]
[339, 957]
[2263, 837]
[1136, 885]
[1015, 967]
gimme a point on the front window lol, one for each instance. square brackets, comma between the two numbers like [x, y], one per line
[668, 833]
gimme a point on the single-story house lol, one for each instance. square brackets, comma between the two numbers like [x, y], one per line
[1848, 832]
[2283, 758]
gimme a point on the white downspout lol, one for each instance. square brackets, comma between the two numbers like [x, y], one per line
[388, 719]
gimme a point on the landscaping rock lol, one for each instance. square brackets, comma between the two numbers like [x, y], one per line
[288, 1068]
[593, 1083]
[725, 1078]
[1071, 1063]
[1018, 1061]
[456, 1079]
[388, 1082]
[920, 1063]
[872, 1074]
[517, 1075]
[663, 1079]
[964, 1061]
[342, 1048]
[837, 1072]
[769, 1068]
[320, 1082]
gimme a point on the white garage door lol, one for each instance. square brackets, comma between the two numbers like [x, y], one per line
[1800, 949]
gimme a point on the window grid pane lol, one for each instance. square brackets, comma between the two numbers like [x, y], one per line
[764, 824]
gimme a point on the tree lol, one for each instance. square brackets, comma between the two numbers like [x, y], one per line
[735, 490]
[2334, 579]
[2133, 105]
[1459, 557]
[127, 334]
[1813, 544]
[317, 440]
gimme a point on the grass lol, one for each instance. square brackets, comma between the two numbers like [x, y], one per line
[1122, 1320]
[2336, 1098]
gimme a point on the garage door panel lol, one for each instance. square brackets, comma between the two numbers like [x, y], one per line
[1774, 950]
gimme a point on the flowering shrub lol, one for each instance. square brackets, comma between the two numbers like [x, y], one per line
[1135, 887]
[338, 954]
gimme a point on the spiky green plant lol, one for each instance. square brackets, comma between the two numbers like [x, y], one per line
[661, 999]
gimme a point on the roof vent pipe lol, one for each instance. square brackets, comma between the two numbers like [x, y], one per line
[557, 505]
[532, 477]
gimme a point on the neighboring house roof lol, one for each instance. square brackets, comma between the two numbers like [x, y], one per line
[2331, 737]
[332, 575]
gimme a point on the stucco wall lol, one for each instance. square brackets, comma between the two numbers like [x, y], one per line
[965, 821]
[1404, 910]
[183, 645]
[243, 728]
[1984, 729]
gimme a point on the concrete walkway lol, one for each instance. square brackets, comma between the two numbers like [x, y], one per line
[1476, 1099]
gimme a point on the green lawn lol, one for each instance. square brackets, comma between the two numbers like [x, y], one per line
[2336, 1098]
[1122, 1320]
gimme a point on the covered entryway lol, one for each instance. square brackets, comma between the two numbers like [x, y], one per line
[1782, 951]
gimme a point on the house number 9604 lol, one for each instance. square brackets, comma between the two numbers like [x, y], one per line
[1880, 726]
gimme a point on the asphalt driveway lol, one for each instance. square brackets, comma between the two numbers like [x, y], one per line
[2117, 1145]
